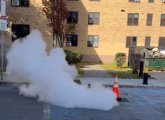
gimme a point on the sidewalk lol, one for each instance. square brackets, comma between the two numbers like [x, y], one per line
[95, 74]
[95, 71]
[9, 80]
[123, 82]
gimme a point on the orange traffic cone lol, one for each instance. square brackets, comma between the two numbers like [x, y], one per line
[115, 89]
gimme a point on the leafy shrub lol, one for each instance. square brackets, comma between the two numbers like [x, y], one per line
[73, 57]
[120, 59]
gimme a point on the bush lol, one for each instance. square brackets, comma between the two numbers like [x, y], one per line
[73, 57]
[120, 59]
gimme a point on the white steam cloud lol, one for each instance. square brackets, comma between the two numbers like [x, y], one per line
[50, 78]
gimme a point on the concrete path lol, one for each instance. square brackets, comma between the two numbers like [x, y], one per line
[95, 71]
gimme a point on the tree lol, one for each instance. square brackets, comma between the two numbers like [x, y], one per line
[57, 13]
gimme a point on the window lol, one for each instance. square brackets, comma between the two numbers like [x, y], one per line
[19, 31]
[20, 3]
[72, 17]
[93, 18]
[161, 42]
[133, 19]
[134, 1]
[150, 1]
[162, 21]
[147, 41]
[93, 41]
[131, 41]
[149, 19]
[71, 40]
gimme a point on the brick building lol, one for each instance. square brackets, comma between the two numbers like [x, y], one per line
[105, 27]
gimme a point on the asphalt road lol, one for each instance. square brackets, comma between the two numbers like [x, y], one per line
[137, 104]
[16, 107]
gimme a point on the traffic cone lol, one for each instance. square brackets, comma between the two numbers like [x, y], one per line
[115, 89]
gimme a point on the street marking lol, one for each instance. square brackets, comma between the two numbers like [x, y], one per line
[46, 112]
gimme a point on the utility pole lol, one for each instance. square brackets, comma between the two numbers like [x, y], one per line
[3, 28]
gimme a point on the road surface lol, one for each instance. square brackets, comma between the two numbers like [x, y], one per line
[137, 104]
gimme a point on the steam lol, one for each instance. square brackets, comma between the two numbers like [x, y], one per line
[50, 78]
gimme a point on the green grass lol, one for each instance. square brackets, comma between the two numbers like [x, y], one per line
[123, 72]
[80, 71]
[90, 63]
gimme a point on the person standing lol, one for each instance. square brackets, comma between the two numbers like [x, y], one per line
[145, 75]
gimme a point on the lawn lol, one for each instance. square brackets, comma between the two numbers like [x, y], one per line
[79, 70]
[124, 72]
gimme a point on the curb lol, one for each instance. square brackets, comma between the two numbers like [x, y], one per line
[129, 86]
[3, 83]
[135, 86]
[11, 83]
[105, 85]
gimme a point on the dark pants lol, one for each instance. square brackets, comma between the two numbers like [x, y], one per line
[145, 78]
[141, 68]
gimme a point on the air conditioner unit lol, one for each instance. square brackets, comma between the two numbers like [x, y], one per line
[68, 44]
[90, 21]
[15, 2]
[137, 0]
